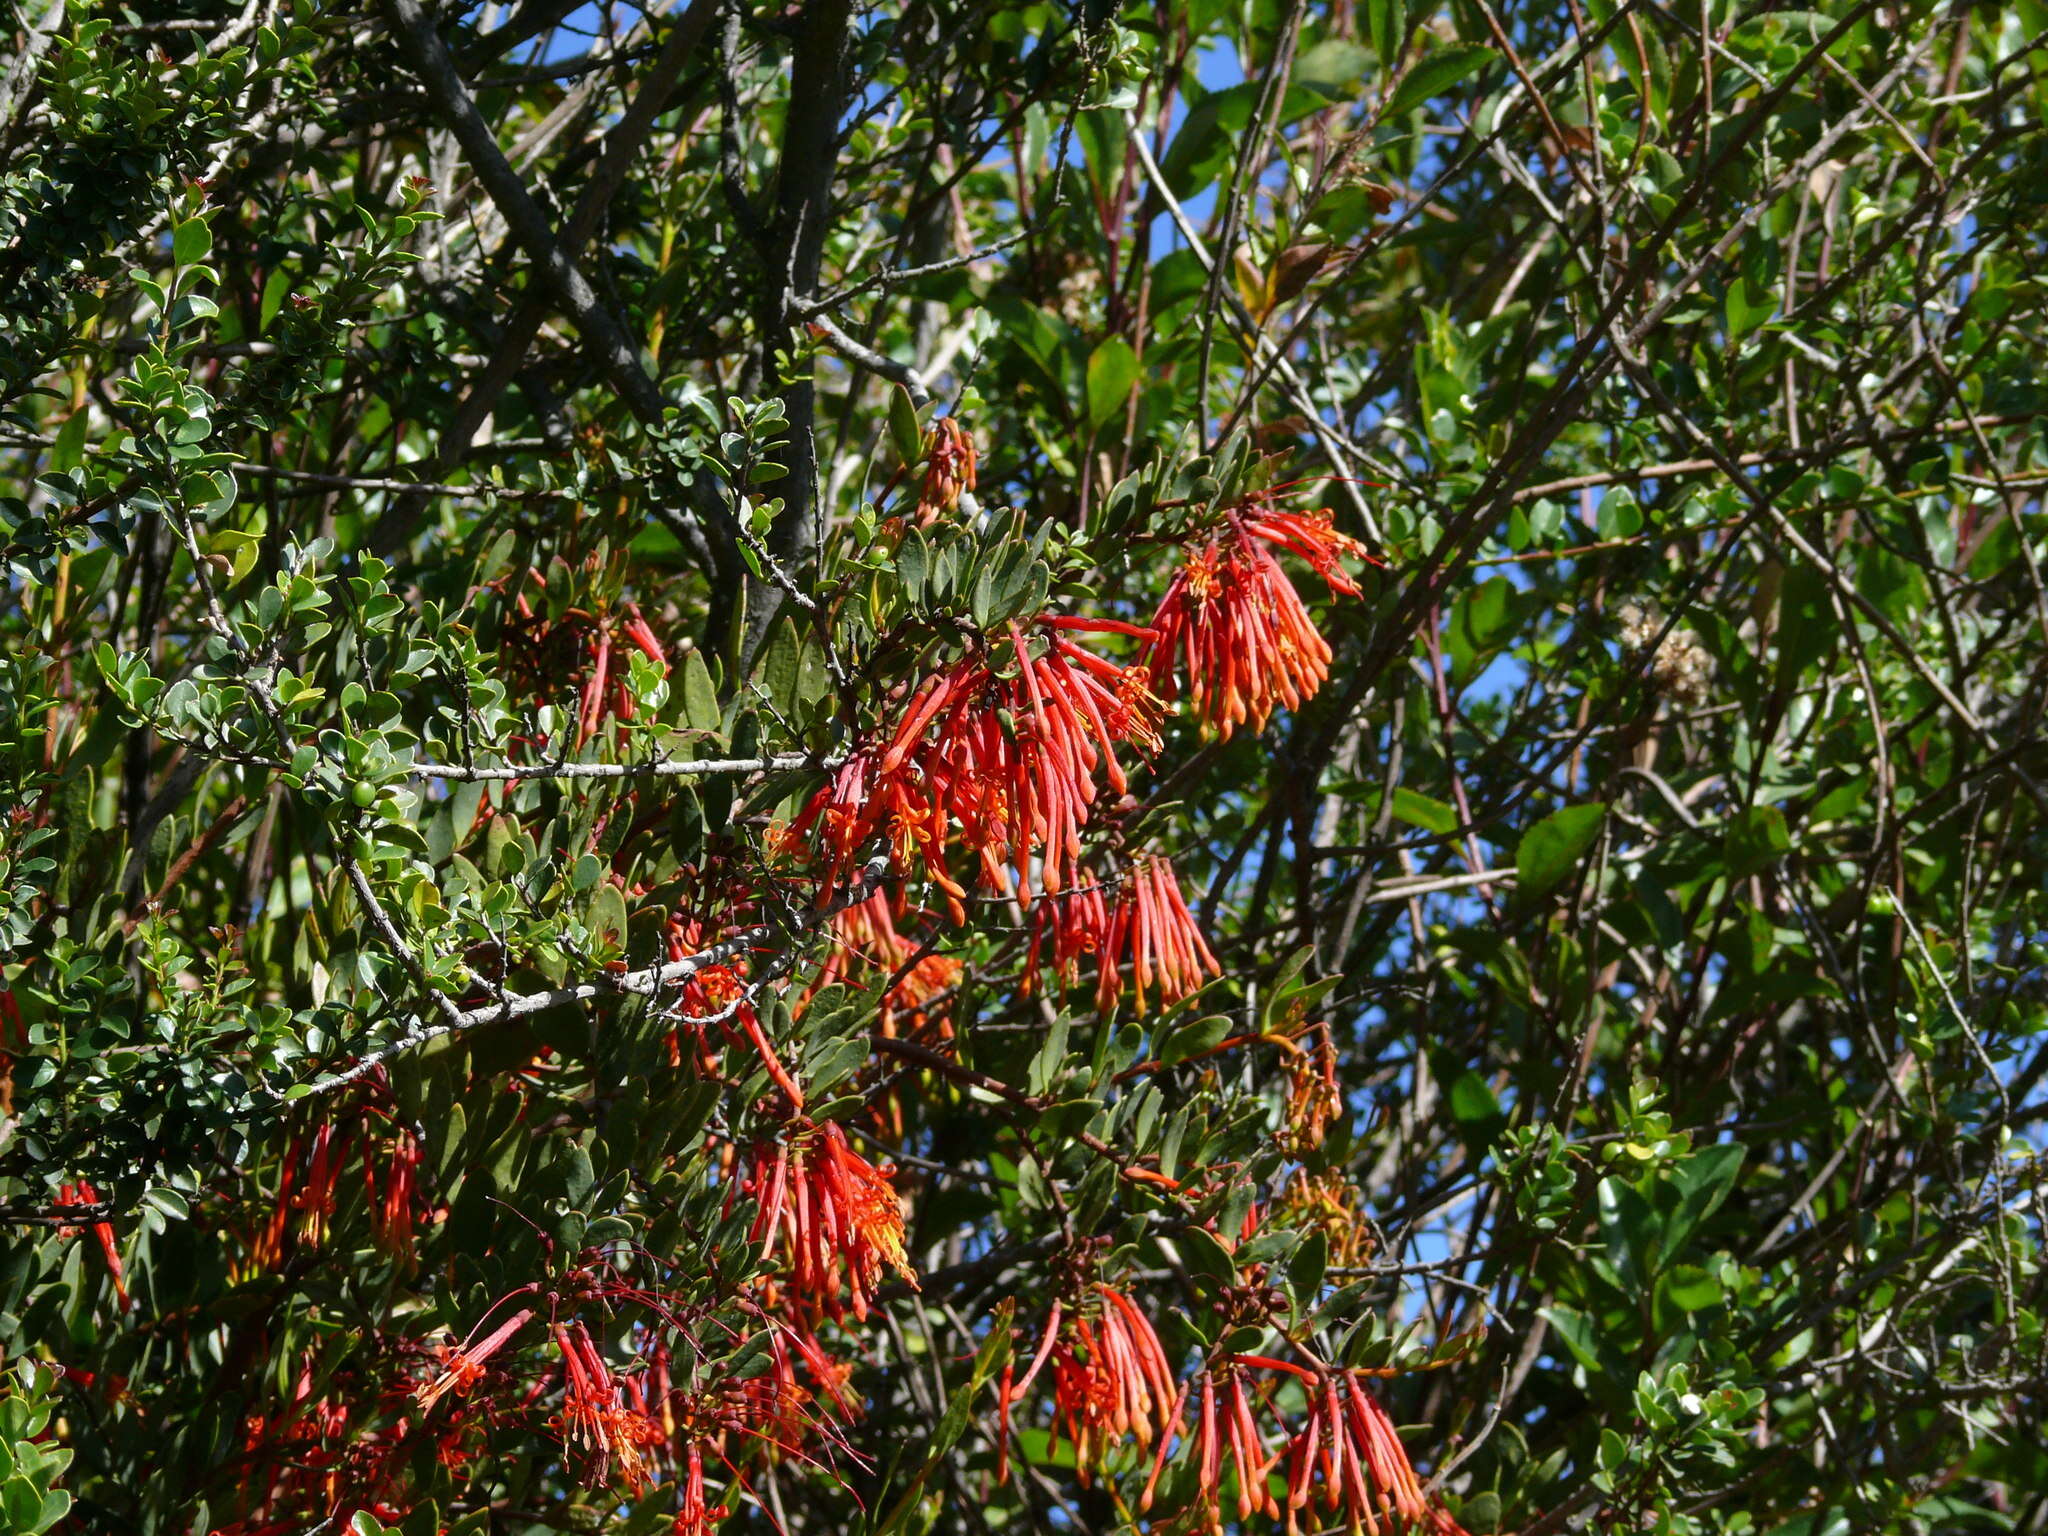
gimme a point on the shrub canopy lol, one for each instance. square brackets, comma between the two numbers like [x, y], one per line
[898, 767]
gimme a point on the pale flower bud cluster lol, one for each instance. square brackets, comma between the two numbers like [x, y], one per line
[1681, 669]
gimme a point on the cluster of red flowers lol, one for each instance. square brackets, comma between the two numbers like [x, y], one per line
[1147, 924]
[949, 463]
[342, 1444]
[1345, 1456]
[604, 1414]
[719, 997]
[1313, 1098]
[392, 1190]
[866, 937]
[1110, 1379]
[1113, 1383]
[305, 1196]
[1005, 756]
[1000, 755]
[82, 1193]
[583, 647]
[1233, 627]
[633, 1423]
[309, 1179]
[1001, 759]
[827, 1210]
[1327, 1202]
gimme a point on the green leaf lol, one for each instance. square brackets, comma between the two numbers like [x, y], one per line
[1704, 1180]
[913, 562]
[1435, 73]
[1385, 20]
[607, 917]
[1692, 1288]
[781, 661]
[1629, 1225]
[1192, 1039]
[1206, 1257]
[1748, 305]
[577, 1175]
[904, 432]
[1474, 1106]
[240, 549]
[1620, 516]
[699, 698]
[1482, 620]
[1335, 67]
[1756, 839]
[1551, 849]
[1112, 370]
[1421, 811]
[1305, 1269]
[191, 241]
[1045, 1066]
[1588, 1343]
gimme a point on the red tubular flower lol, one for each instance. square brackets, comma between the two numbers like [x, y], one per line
[695, 1518]
[1226, 1439]
[828, 1208]
[391, 1201]
[305, 1193]
[1232, 624]
[1148, 926]
[462, 1369]
[316, 1196]
[82, 1193]
[717, 996]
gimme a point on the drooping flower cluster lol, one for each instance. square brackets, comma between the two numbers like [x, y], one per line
[604, 1414]
[344, 1441]
[828, 1212]
[309, 1183]
[1147, 927]
[716, 1002]
[1347, 1459]
[997, 753]
[949, 465]
[390, 1183]
[1233, 630]
[1111, 1379]
[984, 777]
[1344, 1456]
[866, 938]
[545, 654]
[621, 1412]
[305, 1196]
[1313, 1098]
[1326, 1202]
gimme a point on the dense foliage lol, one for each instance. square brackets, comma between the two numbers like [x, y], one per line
[895, 767]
